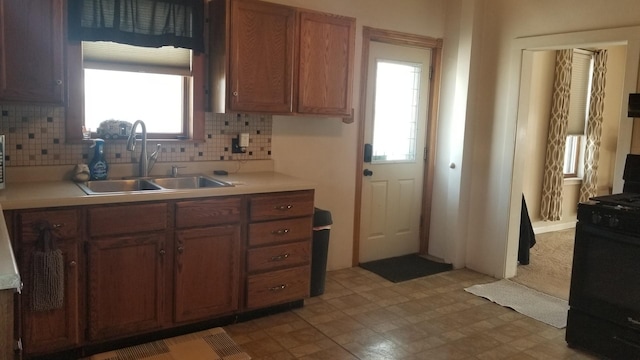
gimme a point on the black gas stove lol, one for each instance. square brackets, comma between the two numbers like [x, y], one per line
[620, 212]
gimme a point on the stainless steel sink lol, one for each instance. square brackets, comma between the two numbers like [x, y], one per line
[151, 184]
[189, 182]
[113, 186]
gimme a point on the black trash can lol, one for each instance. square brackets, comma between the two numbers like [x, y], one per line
[320, 249]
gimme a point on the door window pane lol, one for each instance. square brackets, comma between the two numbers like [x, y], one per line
[397, 92]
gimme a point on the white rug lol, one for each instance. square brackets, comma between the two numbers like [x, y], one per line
[529, 302]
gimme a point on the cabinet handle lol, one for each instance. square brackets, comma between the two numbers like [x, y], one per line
[280, 257]
[180, 249]
[58, 82]
[283, 207]
[162, 252]
[235, 93]
[278, 288]
[72, 264]
[280, 232]
[57, 226]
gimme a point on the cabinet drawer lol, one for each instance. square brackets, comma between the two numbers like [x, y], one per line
[208, 212]
[277, 287]
[64, 221]
[281, 231]
[281, 205]
[122, 219]
[274, 257]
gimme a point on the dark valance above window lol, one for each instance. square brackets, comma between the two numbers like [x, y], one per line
[149, 23]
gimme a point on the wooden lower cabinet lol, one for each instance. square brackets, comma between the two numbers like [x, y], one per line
[207, 272]
[126, 285]
[57, 329]
[45, 331]
[279, 248]
[138, 268]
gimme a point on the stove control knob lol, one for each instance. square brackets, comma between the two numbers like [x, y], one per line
[596, 218]
[613, 221]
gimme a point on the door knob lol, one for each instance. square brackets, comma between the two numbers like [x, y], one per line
[367, 172]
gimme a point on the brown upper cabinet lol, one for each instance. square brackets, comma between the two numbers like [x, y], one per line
[31, 51]
[271, 58]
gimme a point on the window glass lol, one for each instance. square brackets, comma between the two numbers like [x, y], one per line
[157, 99]
[397, 92]
[573, 153]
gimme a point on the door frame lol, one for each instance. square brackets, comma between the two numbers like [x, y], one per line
[410, 40]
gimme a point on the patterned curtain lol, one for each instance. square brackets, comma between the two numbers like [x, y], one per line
[551, 203]
[594, 127]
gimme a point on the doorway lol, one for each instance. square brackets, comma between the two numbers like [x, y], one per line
[520, 107]
[396, 144]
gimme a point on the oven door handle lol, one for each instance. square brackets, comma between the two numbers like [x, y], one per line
[633, 321]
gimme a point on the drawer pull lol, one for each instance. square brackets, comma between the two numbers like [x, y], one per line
[280, 232]
[280, 257]
[72, 264]
[57, 226]
[278, 288]
[162, 252]
[284, 207]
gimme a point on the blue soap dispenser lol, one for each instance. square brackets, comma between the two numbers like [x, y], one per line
[98, 166]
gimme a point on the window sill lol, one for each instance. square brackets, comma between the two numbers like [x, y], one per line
[573, 181]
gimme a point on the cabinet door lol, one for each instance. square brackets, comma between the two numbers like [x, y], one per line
[31, 50]
[125, 284]
[326, 54]
[261, 57]
[207, 272]
[52, 330]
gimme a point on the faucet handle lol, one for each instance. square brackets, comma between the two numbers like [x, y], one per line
[174, 170]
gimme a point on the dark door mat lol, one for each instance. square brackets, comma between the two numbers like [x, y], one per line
[406, 267]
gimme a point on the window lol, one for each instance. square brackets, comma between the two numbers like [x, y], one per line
[124, 82]
[396, 111]
[164, 87]
[582, 68]
[573, 152]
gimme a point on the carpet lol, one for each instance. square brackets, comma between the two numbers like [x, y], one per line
[210, 344]
[406, 267]
[550, 262]
[534, 304]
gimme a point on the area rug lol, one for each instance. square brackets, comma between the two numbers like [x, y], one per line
[534, 304]
[406, 267]
[210, 344]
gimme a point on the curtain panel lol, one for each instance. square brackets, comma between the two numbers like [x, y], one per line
[594, 127]
[551, 202]
[149, 23]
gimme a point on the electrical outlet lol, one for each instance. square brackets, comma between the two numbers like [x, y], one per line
[235, 146]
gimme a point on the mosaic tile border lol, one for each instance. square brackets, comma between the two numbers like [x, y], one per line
[34, 136]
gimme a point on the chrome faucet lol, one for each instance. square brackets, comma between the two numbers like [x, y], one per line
[144, 165]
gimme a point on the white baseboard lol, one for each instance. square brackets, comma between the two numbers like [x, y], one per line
[541, 228]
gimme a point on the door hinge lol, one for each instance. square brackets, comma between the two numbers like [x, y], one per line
[425, 154]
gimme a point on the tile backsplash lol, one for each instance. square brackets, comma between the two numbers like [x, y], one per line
[35, 136]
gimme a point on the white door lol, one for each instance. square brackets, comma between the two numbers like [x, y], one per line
[395, 127]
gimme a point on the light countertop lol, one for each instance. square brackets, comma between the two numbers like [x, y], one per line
[41, 194]
[29, 195]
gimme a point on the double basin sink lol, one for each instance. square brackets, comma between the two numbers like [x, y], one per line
[151, 184]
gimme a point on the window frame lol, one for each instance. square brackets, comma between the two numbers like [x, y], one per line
[74, 98]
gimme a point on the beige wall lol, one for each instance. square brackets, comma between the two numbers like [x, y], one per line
[324, 149]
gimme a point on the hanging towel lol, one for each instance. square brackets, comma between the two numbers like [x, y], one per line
[47, 272]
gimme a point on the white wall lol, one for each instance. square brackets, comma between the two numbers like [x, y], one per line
[323, 149]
